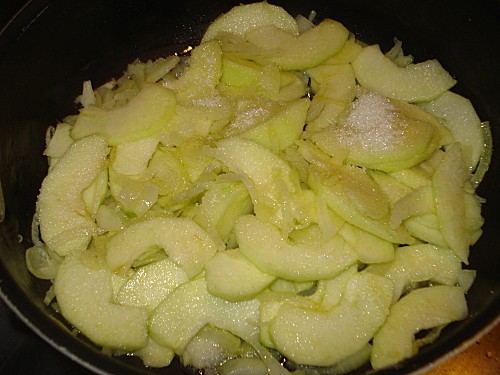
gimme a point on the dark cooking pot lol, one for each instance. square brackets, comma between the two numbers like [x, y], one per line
[50, 46]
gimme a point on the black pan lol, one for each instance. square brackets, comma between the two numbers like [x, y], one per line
[49, 47]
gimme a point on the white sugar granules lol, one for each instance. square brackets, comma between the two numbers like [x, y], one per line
[372, 124]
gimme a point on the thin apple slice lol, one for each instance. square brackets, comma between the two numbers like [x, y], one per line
[184, 241]
[414, 83]
[65, 223]
[260, 169]
[417, 263]
[265, 246]
[328, 188]
[190, 307]
[220, 207]
[84, 295]
[292, 52]
[243, 18]
[322, 338]
[150, 284]
[448, 183]
[145, 114]
[132, 158]
[421, 309]
[200, 78]
[380, 133]
[230, 275]
[283, 129]
[461, 119]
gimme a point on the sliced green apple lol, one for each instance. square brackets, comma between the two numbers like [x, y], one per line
[292, 52]
[132, 158]
[190, 307]
[84, 295]
[151, 283]
[220, 207]
[184, 241]
[265, 246]
[322, 338]
[230, 275]
[380, 133]
[420, 82]
[243, 18]
[144, 115]
[421, 309]
[328, 188]
[201, 76]
[416, 263]
[282, 130]
[260, 169]
[448, 183]
[461, 119]
[368, 247]
[65, 223]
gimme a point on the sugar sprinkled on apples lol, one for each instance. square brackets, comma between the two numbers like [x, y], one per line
[372, 123]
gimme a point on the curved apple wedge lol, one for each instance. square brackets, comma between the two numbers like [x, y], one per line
[322, 338]
[265, 246]
[421, 309]
[413, 83]
[65, 223]
[292, 52]
[84, 295]
[190, 307]
[184, 241]
[245, 17]
[230, 275]
[144, 115]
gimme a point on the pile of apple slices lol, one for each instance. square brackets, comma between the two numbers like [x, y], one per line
[282, 188]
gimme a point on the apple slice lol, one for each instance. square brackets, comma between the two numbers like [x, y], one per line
[351, 49]
[380, 133]
[184, 241]
[413, 83]
[59, 142]
[94, 194]
[421, 309]
[328, 188]
[368, 247]
[265, 246]
[84, 295]
[249, 76]
[243, 18]
[270, 304]
[334, 82]
[201, 76]
[416, 263]
[211, 347]
[220, 207]
[190, 307]
[65, 223]
[461, 119]
[132, 158]
[283, 129]
[292, 52]
[144, 115]
[259, 169]
[230, 275]
[448, 183]
[322, 338]
[150, 284]
[155, 355]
